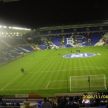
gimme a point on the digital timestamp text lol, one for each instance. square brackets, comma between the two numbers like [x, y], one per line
[95, 96]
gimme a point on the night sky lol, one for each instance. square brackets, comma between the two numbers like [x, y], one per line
[38, 13]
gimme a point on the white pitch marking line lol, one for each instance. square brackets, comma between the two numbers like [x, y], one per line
[47, 84]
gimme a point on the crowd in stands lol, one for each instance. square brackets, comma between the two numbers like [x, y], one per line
[100, 100]
[76, 102]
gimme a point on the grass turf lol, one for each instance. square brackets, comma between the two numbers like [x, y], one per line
[47, 72]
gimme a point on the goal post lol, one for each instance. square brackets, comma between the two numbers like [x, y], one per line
[105, 82]
[87, 82]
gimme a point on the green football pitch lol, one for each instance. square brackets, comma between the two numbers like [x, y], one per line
[47, 72]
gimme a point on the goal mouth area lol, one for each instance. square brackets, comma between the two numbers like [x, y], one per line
[88, 83]
[79, 83]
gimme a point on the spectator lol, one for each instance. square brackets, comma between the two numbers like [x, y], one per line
[69, 103]
[53, 102]
[46, 104]
[62, 102]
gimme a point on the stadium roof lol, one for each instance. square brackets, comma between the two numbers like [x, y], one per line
[39, 13]
[96, 24]
[7, 1]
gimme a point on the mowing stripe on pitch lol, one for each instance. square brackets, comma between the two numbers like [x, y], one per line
[10, 83]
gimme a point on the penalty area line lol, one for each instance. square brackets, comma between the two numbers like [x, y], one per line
[47, 84]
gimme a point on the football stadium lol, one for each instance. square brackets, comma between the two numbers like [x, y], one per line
[55, 57]
[54, 60]
[58, 62]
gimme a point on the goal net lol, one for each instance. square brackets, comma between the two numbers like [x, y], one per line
[87, 83]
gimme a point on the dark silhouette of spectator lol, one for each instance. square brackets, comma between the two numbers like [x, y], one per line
[62, 102]
[46, 104]
[53, 102]
[69, 103]
[75, 105]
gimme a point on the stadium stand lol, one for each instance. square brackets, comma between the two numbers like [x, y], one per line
[16, 46]
[16, 43]
[12, 44]
[72, 40]
[68, 36]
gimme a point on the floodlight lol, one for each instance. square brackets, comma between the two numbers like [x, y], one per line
[10, 27]
[4, 26]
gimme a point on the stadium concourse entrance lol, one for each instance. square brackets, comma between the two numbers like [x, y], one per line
[79, 84]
